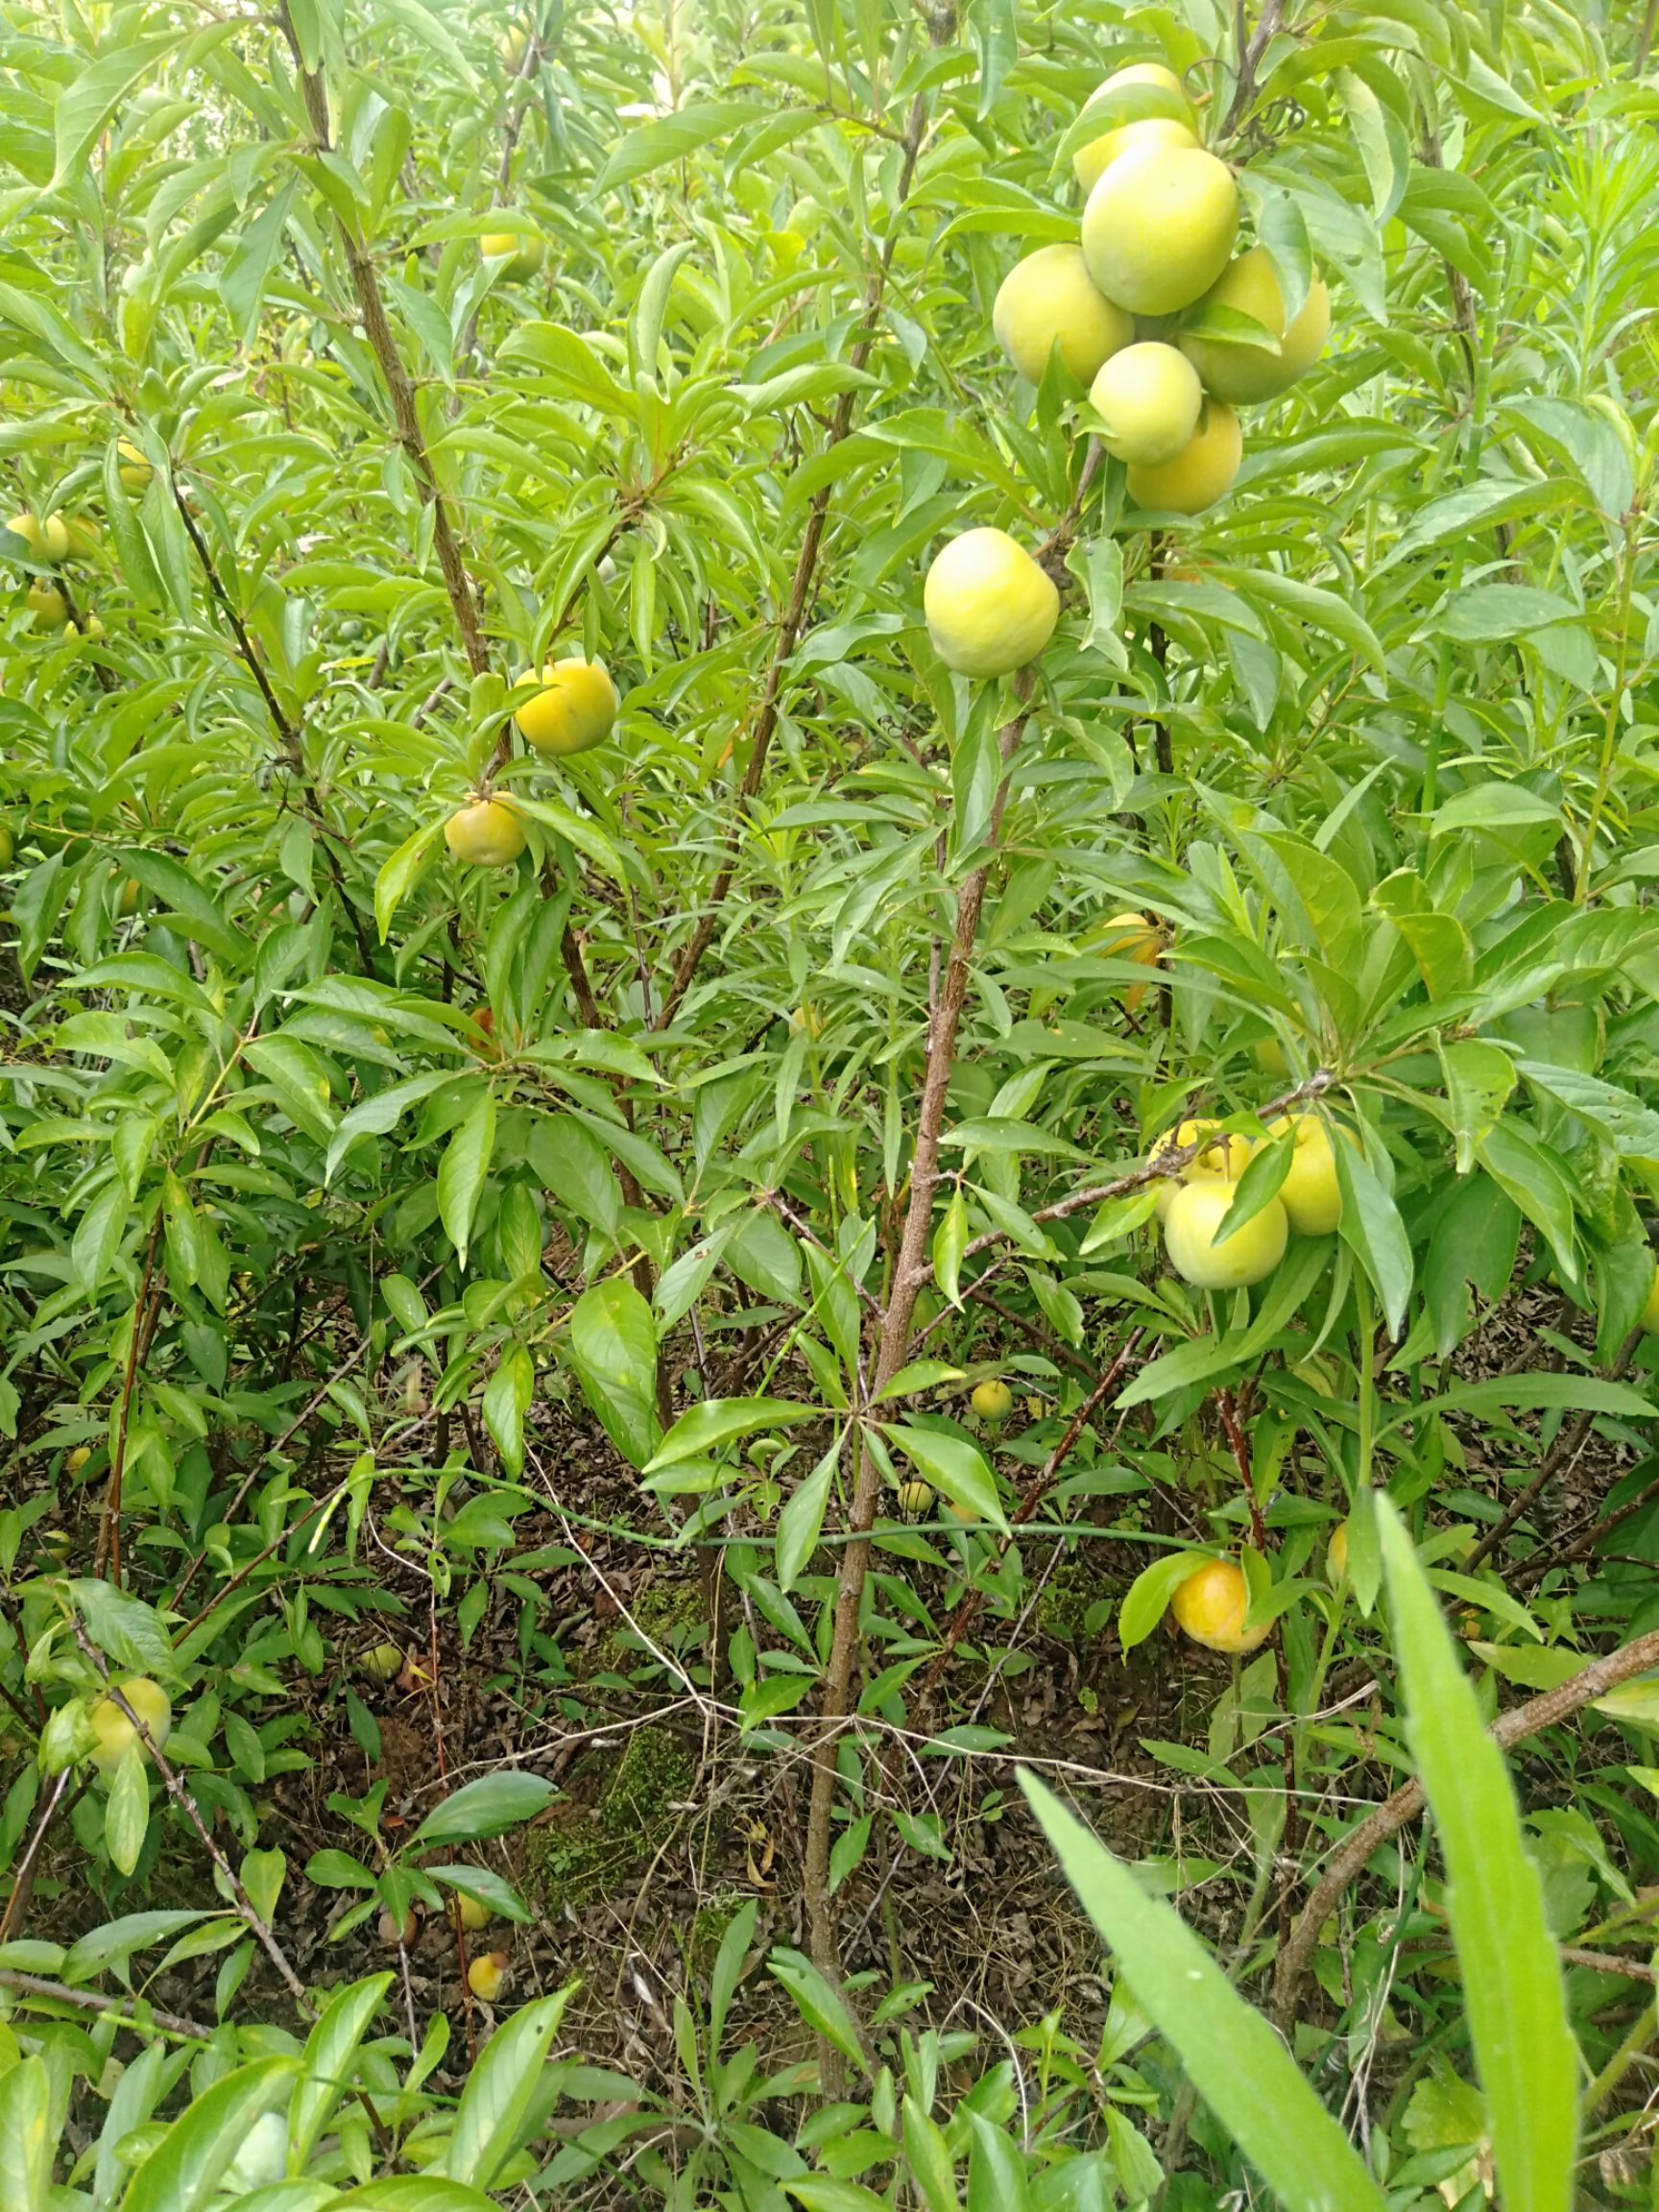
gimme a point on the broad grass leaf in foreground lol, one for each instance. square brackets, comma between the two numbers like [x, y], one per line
[1235, 2060]
[1512, 1987]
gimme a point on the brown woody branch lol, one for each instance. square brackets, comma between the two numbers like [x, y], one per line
[399, 388]
[908, 1275]
[136, 2012]
[1393, 1814]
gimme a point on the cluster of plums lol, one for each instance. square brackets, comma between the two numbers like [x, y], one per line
[574, 710]
[1194, 1202]
[1167, 330]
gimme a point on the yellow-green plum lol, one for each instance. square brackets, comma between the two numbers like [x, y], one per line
[116, 1732]
[1310, 1194]
[1194, 1222]
[489, 834]
[1201, 472]
[1148, 400]
[520, 255]
[1048, 300]
[1159, 228]
[1091, 160]
[574, 711]
[1211, 1604]
[990, 607]
[1245, 374]
[1222, 1162]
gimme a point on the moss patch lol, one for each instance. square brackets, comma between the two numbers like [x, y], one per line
[1063, 1610]
[668, 1612]
[588, 1850]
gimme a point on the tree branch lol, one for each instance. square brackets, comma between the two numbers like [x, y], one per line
[399, 390]
[92, 2001]
[1560, 1456]
[909, 1273]
[1392, 1815]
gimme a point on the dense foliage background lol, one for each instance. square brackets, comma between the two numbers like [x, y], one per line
[473, 1336]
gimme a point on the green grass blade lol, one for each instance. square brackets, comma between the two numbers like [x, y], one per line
[1236, 2064]
[1512, 1987]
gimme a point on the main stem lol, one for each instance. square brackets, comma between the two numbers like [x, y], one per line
[910, 1272]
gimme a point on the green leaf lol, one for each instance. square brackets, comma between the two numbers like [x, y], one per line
[183, 2171]
[801, 1520]
[485, 1885]
[28, 2138]
[819, 2006]
[399, 872]
[822, 2195]
[650, 146]
[613, 1352]
[1233, 2057]
[86, 104]
[1479, 1079]
[326, 2061]
[949, 1242]
[918, 1376]
[198, 913]
[506, 1397]
[1584, 1393]
[1512, 1987]
[125, 1629]
[701, 1430]
[954, 1466]
[1147, 1597]
[1371, 1227]
[1480, 613]
[338, 1870]
[461, 1174]
[995, 2170]
[499, 2101]
[488, 1807]
[127, 1811]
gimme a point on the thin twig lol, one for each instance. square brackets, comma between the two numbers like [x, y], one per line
[1392, 1815]
[1561, 1457]
[1036, 1491]
[91, 2001]
[909, 1272]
